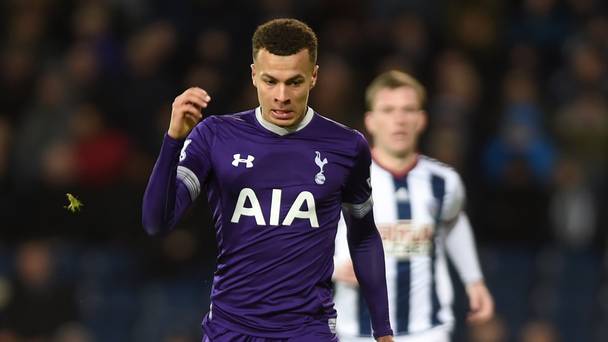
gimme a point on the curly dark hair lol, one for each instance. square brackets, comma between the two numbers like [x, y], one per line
[285, 37]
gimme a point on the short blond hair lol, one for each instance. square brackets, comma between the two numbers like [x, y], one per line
[393, 79]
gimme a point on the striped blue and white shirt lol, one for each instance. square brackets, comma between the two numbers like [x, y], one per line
[415, 212]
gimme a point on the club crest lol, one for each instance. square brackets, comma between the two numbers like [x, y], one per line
[320, 177]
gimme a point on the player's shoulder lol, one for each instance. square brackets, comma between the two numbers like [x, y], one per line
[335, 126]
[339, 130]
[437, 167]
[243, 117]
[213, 122]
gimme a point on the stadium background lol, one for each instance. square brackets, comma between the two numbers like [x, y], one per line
[518, 104]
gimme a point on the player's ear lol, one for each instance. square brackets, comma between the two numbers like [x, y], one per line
[369, 122]
[422, 121]
[253, 75]
[315, 72]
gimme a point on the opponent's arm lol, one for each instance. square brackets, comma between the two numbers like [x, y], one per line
[166, 199]
[343, 266]
[460, 247]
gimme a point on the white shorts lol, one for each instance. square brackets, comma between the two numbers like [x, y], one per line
[438, 334]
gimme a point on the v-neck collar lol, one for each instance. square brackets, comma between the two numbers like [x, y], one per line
[284, 130]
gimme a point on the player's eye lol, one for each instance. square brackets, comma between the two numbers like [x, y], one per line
[270, 82]
[296, 83]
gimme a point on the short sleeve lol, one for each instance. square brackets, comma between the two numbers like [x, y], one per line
[454, 198]
[195, 158]
[356, 196]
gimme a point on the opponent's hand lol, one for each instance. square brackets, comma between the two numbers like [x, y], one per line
[481, 303]
[387, 338]
[345, 273]
[186, 111]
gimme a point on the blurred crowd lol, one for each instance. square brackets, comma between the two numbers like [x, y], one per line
[518, 103]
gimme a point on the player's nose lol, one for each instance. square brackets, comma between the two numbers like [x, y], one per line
[281, 94]
[400, 118]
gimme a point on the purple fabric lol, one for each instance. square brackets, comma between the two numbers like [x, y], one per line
[276, 206]
[367, 254]
[317, 331]
[165, 200]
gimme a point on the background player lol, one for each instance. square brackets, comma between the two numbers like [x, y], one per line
[419, 212]
[275, 228]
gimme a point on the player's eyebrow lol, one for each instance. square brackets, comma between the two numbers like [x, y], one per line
[295, 78]
[291, 79]
[268, 77]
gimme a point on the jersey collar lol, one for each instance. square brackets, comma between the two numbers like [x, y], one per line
[283, 130]
[398, 174]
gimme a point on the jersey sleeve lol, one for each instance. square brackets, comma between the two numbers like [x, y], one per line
[195, 158]
[357, 194]
[363, 240]
[454, 198]
[460, 246]
[175, 181]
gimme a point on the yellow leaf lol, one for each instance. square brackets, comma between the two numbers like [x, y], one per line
[75, 204]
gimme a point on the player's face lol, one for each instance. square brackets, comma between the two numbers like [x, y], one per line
[283, 84]
[396, 120]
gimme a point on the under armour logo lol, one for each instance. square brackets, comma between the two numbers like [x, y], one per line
[248, 162]
[320, 177]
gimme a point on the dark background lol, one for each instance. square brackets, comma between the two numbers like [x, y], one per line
[517, 103]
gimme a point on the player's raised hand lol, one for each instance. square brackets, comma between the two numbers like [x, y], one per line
[481, 304]
[187, 111]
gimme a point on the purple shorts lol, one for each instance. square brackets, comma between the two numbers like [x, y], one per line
[216, 333]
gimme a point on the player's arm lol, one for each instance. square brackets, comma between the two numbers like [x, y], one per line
[460, 246]
[365, 244]
[166, 197]
[367, 257]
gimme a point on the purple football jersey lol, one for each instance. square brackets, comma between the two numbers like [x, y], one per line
[276, 197]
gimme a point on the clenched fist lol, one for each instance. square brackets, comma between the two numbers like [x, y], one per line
[186, 111]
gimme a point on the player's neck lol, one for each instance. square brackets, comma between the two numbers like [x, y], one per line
[398, 165]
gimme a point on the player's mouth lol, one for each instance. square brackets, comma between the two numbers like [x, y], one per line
[400, 135]
[281, 114]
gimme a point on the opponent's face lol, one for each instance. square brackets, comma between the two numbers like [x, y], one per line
[396, 120]
[283, 84]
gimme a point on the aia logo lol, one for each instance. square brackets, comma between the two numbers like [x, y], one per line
[303, 207]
